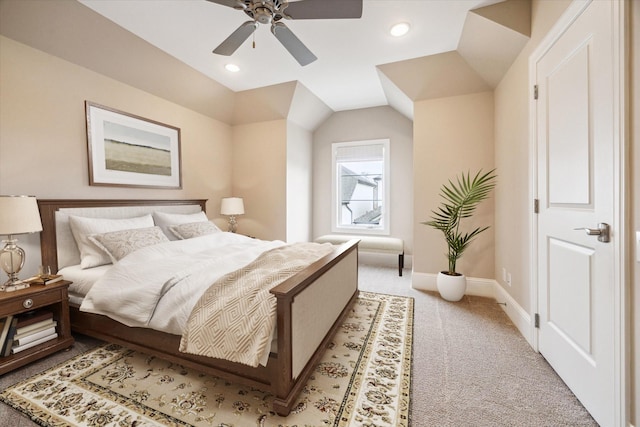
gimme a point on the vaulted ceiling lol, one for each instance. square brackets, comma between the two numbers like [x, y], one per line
[455, 47]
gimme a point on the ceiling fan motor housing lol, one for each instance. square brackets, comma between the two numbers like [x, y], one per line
[265, 11]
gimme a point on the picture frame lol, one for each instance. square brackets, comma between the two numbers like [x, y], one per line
[126, 150]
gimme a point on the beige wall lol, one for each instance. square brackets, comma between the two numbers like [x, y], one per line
[513, 207]
[452, 135]
[272, 172]
[71, 31]
[299, 176]
[259, 176]
[358, 125]
[43, 142]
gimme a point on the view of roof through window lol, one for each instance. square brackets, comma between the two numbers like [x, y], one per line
[360, 185]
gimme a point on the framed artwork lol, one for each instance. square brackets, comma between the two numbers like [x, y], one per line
[130, 151]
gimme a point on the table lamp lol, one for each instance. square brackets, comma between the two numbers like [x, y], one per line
[18, 215]
[232, 206]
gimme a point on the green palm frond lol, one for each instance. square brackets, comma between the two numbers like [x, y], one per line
[461, 198]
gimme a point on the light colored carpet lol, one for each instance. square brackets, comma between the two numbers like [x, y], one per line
[471, 366]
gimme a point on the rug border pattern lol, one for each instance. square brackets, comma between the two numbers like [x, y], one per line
[348, 409]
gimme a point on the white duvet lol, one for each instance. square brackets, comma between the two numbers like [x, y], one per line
[157, 286]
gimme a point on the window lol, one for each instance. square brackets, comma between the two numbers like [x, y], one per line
[360, 186]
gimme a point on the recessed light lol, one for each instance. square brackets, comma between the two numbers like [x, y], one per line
[232, 68]
[400, 29]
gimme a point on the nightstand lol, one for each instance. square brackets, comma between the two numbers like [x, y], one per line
[53, 297]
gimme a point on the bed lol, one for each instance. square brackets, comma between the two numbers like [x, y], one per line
[303, 327]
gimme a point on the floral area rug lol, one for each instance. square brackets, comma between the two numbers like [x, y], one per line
[363, 379]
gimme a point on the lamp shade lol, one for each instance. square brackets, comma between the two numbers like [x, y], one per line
[19, 215]
[232, 206]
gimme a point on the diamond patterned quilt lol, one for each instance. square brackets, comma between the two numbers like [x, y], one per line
[235, 317]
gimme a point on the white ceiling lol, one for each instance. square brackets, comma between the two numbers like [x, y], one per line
[348, 51]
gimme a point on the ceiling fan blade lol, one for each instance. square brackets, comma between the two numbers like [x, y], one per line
[236, 4]
[324, 9]
[233, 42]
[292, 43]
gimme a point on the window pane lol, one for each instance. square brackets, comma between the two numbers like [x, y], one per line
[360, 185]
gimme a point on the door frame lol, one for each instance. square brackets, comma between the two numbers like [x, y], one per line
[622, 311]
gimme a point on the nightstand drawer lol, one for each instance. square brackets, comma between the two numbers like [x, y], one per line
[29, 302]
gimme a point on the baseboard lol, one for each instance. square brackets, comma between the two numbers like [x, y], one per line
[518, 315]
[475, 286]
[484, 288]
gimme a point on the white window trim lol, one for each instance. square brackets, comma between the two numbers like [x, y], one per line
[386, 228]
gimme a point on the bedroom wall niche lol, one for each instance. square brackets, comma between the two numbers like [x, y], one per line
[43, 141]
[367, 124]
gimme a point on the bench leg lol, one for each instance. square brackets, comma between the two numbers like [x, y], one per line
[400, 263]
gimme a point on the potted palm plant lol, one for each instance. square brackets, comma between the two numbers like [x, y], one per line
[460, 200]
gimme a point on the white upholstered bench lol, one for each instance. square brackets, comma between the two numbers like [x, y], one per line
[377, 244]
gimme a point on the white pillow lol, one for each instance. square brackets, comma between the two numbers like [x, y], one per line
[118, 244]
[164, 220]
[194, 229]
[83, 227]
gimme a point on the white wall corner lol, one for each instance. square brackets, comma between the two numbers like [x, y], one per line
[485, 288]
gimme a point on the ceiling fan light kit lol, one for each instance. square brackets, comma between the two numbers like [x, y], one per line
[273, 11]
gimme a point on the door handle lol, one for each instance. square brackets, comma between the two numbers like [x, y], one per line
[603, 232]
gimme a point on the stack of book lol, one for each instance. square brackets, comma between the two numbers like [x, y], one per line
[44, 279]
[21, 332]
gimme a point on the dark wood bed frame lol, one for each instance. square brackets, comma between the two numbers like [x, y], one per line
[277, 376]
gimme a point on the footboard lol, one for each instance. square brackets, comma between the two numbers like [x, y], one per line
[309, 312]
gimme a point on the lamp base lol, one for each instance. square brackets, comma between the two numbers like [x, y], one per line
[11, 260]
[14, 286]
[233, 224]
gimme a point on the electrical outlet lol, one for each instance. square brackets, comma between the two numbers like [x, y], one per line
[509, 279]
[504, 274]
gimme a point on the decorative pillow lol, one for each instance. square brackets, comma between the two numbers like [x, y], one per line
[165, 219]
[193, 229]
[118, 244]
[83, 227]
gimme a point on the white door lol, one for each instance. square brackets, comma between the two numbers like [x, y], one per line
[576, 183]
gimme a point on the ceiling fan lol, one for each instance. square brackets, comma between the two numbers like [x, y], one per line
[273, 11]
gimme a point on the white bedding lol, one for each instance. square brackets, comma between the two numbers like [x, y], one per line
[83, 279]
[157, 286]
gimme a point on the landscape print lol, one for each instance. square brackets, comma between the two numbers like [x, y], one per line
[129, 149]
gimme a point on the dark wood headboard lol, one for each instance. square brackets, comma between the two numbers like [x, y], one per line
[48, 208]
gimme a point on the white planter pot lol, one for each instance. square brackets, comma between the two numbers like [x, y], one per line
[451, 288]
